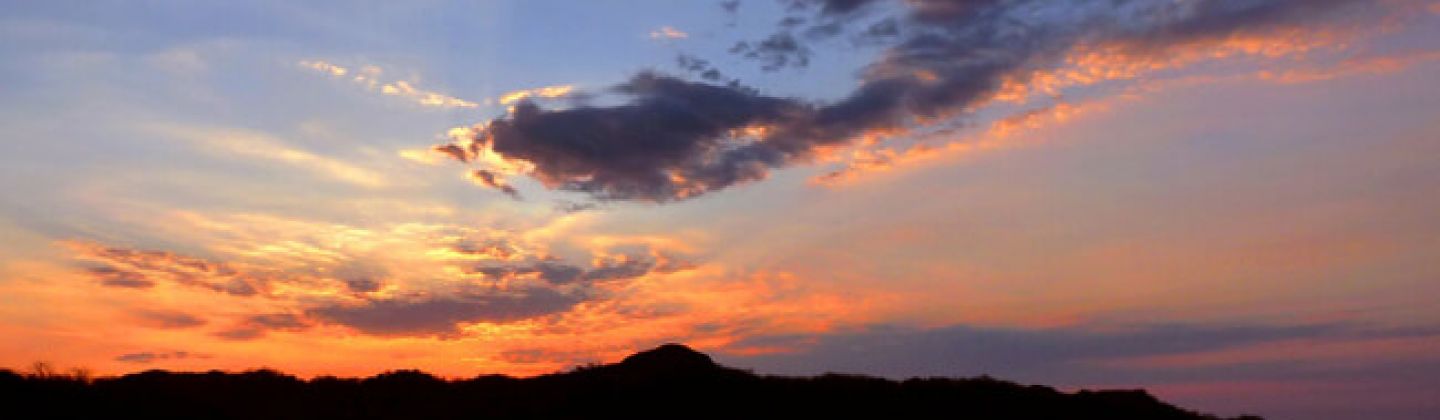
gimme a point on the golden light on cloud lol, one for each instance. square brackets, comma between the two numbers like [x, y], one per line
[369, 77]
[427, 98]
[556, 91]
[469, 144]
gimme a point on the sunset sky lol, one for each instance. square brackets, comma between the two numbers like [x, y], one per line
[1233, 204]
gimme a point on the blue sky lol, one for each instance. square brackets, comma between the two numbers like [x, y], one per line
[1240, 220]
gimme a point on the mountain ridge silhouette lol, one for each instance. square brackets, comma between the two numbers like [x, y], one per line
[669, 381]
[670, 355]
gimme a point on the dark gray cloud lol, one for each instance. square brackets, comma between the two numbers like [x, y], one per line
[779, 50]
[556, 272]
[621, 269]
[553, 272]
[360, 276]
[699, 67]
[363, 285]
[128, 282]
[277, 321]
[494, 248]
[673, 139]
[151, 357]
[561, 286]
[833, 7]
[170, 319]
[241, 334]
[441, 315]
[453, 151]
[670, 139]
[491, 180]
[113, 277]
[730, 6]
[545, 355]
[133, 268]
[256, 326]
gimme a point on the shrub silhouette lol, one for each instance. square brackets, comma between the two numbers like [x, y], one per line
[672, 381]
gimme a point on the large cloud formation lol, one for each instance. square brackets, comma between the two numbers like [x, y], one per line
[407, 280]
[671, 139]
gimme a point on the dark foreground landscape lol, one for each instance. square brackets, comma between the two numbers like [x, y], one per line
[671, 381]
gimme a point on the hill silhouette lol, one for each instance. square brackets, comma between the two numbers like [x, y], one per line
[672, 381]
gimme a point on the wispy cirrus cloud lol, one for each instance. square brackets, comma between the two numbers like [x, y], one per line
[371, 78]
[259, 145]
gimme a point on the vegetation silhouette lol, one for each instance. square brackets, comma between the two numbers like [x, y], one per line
[671, 381]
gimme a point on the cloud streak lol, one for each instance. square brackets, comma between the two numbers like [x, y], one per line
[262, 146]
[370, 77]
[151, 357]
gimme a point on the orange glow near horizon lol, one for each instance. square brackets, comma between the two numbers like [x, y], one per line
[269, 265]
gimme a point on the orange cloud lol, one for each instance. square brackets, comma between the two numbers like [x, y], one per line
[1350, 68]
[1093, 64]
[999, 134]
